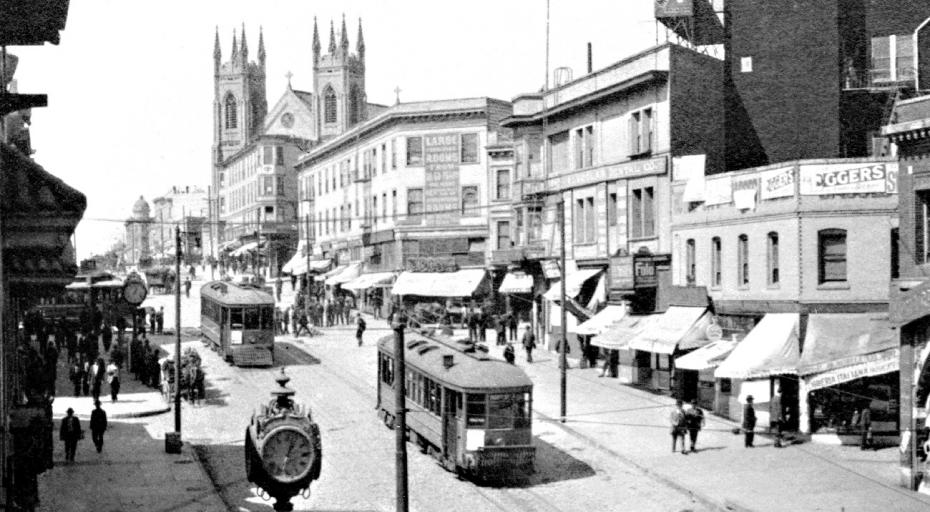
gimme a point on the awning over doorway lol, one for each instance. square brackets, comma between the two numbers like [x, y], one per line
[678, 325]
[251, 246]
[770, 348]
[516, 282]
[348, 273]
[843, 347]
[333, 272]
[599, 323]
[706, 357]
[618, 335]
[365, 281]
[462, 283]
[298, 263]
[573, 284]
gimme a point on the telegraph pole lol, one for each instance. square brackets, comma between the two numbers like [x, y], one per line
[212, 259]
[307, 270]
[399, 322]
[177, 328]
[563, 345]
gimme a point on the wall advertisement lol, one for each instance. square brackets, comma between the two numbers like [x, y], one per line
[851, 178]
[777, 183]
[441, 202]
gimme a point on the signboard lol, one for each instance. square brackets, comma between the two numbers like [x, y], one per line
[776, 183]
[713, 332]
[718, 190]
[674, 8]
[621, 273]
[645, 269]
[910, 305]
[860, 178]
[441, 202]
[550, 269]
[631, 169]
[881, 363]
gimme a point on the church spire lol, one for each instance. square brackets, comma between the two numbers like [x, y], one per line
[217, 54]
[261, 48]
[344, 43]
[235, 48]
[332, 38]
[316, 42]
[245, 48]
[360, 44]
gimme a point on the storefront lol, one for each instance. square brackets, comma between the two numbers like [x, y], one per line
[703, 362]
[585, 290]
[430, 296]
[371, 291]
[849, 363]
[617, 336]
[678, 330]
[597, 325]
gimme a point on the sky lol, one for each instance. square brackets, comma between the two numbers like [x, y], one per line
[130, 86]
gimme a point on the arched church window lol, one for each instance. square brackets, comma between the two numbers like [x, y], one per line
[231, 111]
[329, 105]
[354, 107]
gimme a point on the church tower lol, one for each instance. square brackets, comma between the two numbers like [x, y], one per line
[239, 102]
[339, 81]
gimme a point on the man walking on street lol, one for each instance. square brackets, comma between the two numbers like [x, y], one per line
[777, 415]
[678, 426]
[98, 425]
[303, 326]
[360, 329]
[160, 320]
[865, 425]
[694, 418]
[277, 288]
[529, 343]
[512, 325]
[70, 433]
[113, 380]
[187, 287]
[749, 422]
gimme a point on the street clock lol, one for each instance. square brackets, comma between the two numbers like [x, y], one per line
[134, 289]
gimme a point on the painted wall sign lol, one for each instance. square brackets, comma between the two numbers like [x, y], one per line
[776, 183]
[621, 273]
[861, 178]
[645, 269]
[550, 269]
[674, 8]
[631, 169]
[878, 364]
[441, 202]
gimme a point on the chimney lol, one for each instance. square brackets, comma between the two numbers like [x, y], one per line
[447, 361]
[590, 59]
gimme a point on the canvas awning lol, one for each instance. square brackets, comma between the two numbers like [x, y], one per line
[706, 357]
[516, 282]
[618, 335]
[843, 347]
[365, 281]
[298, 263]
[251, 246]
[109, 283]
[678, 325]
[325, 276]
[78, 285]
[348, 273]
[599, 323]
[576, 279]
[770, 348]
[462, 283]
[230, 245]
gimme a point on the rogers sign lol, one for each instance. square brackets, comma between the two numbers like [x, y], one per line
[828, 179]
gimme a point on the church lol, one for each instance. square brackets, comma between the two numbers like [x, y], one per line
[253, 195]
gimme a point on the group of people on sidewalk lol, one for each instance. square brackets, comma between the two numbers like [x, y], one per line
[71, 432]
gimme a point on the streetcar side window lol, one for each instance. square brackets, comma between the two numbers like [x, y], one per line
[235, 318]
[522, 411]
[225, 316]
[252, 318]
[387, 369]
[476, 410]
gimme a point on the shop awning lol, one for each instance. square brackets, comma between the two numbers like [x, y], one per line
[349, 273]
[599, 323]
[298, 263]
[109, 283]
[706, 357]
[230, 245]
[770, 348]
[618, 335]
[462, 283]
[365, 281]
[327, 275]
[251, 246]
[516, 282]
[679, 324]
[573, 284]
[843, 347]
[78, 285]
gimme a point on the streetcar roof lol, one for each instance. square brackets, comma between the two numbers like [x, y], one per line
[230, 293]
[467, 372]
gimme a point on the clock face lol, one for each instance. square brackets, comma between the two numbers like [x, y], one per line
[287, 120]
[134, 292]
[287, 455]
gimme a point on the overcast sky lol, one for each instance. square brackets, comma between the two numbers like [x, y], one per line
[130, 86]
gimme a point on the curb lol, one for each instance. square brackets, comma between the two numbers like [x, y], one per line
[126, 415]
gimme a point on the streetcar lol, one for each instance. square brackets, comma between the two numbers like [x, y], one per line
[471, 412]
[238, 322]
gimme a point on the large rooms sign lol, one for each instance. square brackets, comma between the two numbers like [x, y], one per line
[441, 190]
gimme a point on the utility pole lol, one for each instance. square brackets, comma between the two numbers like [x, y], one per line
[563, 344]
[399, 323]
[177, 328]
[307, 270]
[161, 234]
[212, 259]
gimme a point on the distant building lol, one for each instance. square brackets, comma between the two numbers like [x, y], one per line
[187, 208]
[138, 250]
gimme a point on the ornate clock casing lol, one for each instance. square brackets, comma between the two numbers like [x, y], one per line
[134, 289]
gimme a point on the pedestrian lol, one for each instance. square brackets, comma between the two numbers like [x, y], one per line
[694, 419]
[113, 380]
[303, 326]
[294, 319]
[509, 355]
[529, 343]
[286, 320]
[360, 329]
[75, 375]
[85, 376]
[107, 336]
[98, 425]
[501, 330]
[187, 287]
[865, 428]
[153, 320]
[70, 433]
[160, 320]
[327, 313]
[347, 309]
[97, 371]
[678, 426]
[278, 318]
[472, 325]
[777, 416]
[277, 288]
[749, 422]
[293, 282]
[512, 322]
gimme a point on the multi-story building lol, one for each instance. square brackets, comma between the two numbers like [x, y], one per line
[410, 182]
[793, 255]
[601, 148]
[138, 232]
[187, 208]
[254, 193]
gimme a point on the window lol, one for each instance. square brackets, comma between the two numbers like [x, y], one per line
[279, 155]
[329, 105]
[922, 227]
[470, 200]
[469, 148]
[583, 222]
[383, 158]
[394, 205]
[745, 64]
[414, 203]
[268, 185]
[831, 250]
[895, 268]
[584, 147]
[641, 132]
[503, 234]
[715, 277]
[475, 410]
[642, 213]
[742, 252]
[892, 58]
[558, 152]
[503, 184]
[414, 150]
[393, 153]
[612, 209]
[773, 277]
[690, 274]
[326, 221]
[578, 221]
[231, 111]
[589, 221]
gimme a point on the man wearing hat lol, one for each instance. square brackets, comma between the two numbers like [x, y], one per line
[98, 425]
[70, 433]
[749, 421]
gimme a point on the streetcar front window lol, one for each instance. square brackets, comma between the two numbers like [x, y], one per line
[500, 411]
[252, 318]
[476, 410]
[235, 318]
[521, 411]
[268, 318]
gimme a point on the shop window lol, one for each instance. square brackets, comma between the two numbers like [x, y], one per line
[414, 151]
[469, 148]
[742, 253]
[715, 261]
[689, 261]
[831, 249]
[773, 277]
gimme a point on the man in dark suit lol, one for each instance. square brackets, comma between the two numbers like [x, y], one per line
[70, 433]
[749, 421]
